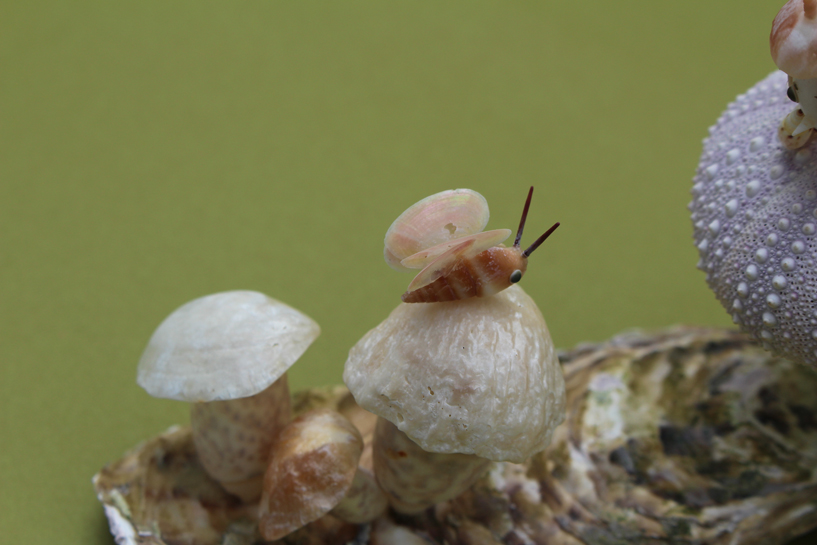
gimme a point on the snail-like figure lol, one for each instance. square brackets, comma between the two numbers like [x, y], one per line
[442, 235]
[793, 43]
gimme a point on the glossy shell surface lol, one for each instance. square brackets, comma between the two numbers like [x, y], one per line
[793, 39]
[689, 435]
[439, 218]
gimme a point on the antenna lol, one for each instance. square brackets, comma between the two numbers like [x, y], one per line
[524, 217]
[540, 240]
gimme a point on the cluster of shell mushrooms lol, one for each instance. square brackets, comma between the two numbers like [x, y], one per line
[463, 374]
[468, 377]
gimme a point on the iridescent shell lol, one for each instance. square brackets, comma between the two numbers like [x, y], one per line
[690, 435]
[437, 219]
[458, 267]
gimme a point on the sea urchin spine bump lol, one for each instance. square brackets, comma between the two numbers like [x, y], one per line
[754, 223]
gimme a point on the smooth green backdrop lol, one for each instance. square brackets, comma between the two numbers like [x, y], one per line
[155, 152]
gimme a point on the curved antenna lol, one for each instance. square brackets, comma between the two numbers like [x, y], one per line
[524, 217]
[540, 240]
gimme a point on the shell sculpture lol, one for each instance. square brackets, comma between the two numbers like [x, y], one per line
[686, 436]
[442, 235]
[754, 211]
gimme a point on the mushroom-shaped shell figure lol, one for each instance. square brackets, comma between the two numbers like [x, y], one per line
[793, 43]
[228, 353]
[754, 211]
[467, 382]
[313, 470]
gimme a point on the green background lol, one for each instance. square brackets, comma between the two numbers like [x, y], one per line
[154, 153]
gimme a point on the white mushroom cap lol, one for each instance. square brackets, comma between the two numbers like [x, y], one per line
[478, 376]
[793, 39]
[224, 346]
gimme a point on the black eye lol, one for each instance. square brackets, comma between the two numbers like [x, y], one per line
[516, 276]
[791, 94]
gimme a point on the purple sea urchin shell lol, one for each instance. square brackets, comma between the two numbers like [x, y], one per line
[754, 210]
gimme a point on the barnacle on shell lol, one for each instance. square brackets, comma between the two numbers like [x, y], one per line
[754, 211]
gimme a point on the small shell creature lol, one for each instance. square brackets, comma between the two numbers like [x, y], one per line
[440, 235]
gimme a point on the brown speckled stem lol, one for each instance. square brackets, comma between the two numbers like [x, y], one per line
[414, 479]
[233, 438]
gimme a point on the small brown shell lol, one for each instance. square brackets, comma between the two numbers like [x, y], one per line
[312, 466]
[434, 220]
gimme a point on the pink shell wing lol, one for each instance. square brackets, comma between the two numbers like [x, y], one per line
[445, 256]
[439, 218]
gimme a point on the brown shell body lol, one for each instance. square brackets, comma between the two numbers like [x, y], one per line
[481, 275]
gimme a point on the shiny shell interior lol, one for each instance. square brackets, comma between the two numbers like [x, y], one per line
[434, 220]
[689, 435]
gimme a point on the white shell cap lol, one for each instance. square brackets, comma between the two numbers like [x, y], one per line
[477, 376]
[224, 346]
[793, 39]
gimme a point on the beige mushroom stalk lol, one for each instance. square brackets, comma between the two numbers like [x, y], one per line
[461, 383]
[793, 43]
[227, 354]
[313, 470]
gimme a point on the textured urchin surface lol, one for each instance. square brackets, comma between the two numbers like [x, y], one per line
[754, 210]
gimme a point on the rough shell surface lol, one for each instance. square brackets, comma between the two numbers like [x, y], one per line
[754, 211]
[224, 346]
[688, 436]
[436, 219]
[476, 376]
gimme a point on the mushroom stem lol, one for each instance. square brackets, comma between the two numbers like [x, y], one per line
[233, 438]
[414, 479]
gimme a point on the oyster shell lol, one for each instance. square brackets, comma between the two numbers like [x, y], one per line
[690, 435]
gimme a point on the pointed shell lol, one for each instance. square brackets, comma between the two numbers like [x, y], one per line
[434, 220]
